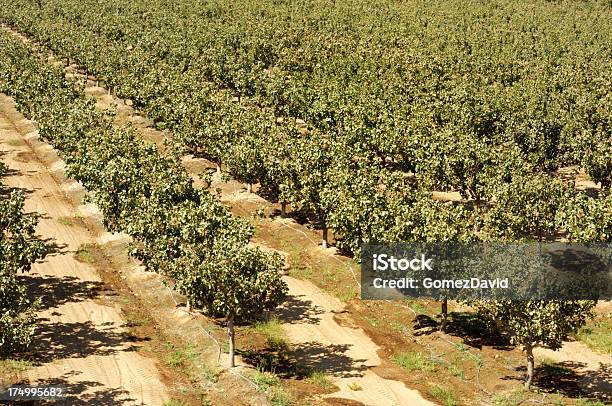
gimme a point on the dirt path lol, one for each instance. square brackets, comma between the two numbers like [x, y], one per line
[345, 354]
[82, 341]
[594, 369]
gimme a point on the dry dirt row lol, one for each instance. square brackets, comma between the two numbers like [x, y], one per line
[594, 369]
[82, 340]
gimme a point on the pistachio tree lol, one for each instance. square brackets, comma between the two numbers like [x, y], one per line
[238, 283]
[18, 250]
[533, 323]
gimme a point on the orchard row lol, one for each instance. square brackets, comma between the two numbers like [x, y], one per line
[18, 250]
[183, 233]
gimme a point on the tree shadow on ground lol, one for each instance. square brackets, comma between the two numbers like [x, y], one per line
[298, 310]
[474, 331]
[300, 216]
[300, 361]
[53, 248]
[26, 191]
[8, 172]
[567, 379]
[80, 339]
[55, 291]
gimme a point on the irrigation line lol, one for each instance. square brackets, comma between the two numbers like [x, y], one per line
[197, 324]
[235, 372]
[232, 371]
[36, 48]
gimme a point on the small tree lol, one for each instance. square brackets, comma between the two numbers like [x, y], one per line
[18, 250]
[533, 323]
[238, 283]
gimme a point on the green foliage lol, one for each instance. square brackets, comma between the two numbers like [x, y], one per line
[174, 402]
[320, 379]
[598, 334]
[456, 370]
[181, 357]
[526, 208]
[274, 332]
[18, 250]
[12, 366]
[265, 380]
[237, 282]
[481, 98]
[537, 322]
[585, 218]
[185, 234]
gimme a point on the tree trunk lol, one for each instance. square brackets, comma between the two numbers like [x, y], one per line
[283, 209]
[188, 306]
[230, 333]
[530, 365]
[249, 188]
[324, 241]
[444, 313]
[218, 165]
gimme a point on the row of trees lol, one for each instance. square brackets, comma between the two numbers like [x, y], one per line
[183, 233]
[422, 105]
[19, 249]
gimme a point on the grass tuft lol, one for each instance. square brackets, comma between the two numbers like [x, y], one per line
[280, 397]
[174, 402]
[12, 366]
[320, 379]
[354, 386]
[209, 373]
[598, 335]
[553, 365]
[414, 361]
[181, 357]
[270, 384]
[274, 332]
[84, 254]
[456, 370]
[68, 221]
[265, 380]
[446, 396]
